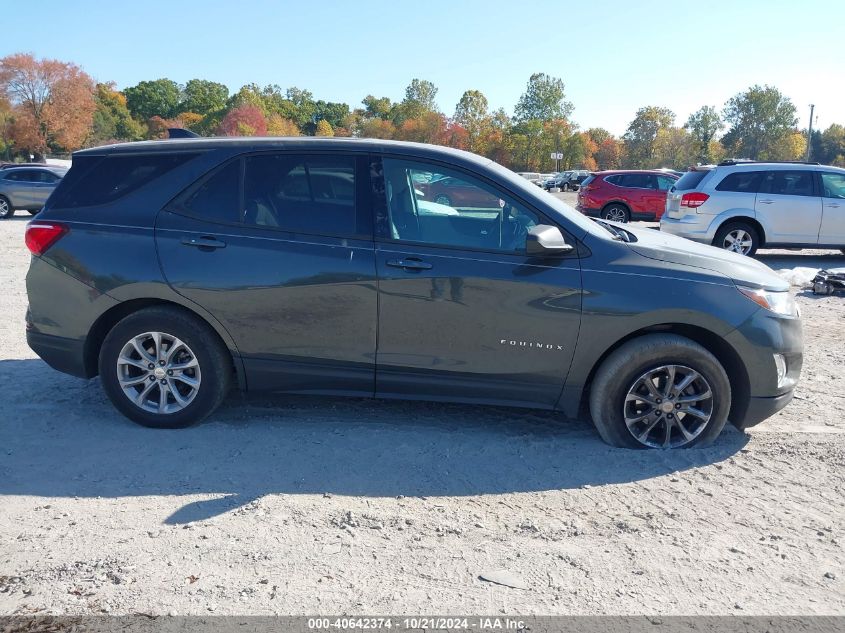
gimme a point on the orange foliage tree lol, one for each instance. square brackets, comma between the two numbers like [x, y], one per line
[246, 120]
[52, 102]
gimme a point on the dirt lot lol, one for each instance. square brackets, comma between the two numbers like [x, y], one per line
[282, 505]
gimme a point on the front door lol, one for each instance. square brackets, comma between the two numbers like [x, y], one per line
[287, 266]
[789, 208]
[464, 314]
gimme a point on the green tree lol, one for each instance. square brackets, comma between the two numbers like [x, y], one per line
[599, 135]
[160, 97]
[203, 97]
[759, 118]
[703, 125]
[378, 108]
[471, 113]
[544, 99]
[112, 121]
[833, 145]
[334, 113]
[419, 100]
[641, 135]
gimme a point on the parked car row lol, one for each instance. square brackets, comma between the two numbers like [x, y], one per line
[627, 195]
[566, 180]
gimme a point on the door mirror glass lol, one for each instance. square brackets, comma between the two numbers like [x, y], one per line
[544, 240]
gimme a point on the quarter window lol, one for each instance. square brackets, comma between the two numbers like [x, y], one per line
[301, 194]
[437, 206]
[741, 182]
[833, 185]
[789, 183]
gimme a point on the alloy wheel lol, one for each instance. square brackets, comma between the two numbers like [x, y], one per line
[158, 372]
[615, 214]
[738, 241]
[668, 406]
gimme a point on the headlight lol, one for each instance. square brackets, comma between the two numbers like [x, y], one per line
[778, 302]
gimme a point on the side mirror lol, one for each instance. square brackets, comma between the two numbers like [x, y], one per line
[544, 240]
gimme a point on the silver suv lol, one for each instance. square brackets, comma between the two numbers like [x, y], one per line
[743, 206]
[27, 188]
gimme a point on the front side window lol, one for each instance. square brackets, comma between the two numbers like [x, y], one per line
[789, 183]
[833, 185]
[741, 182]
[301, 194]
[453, 209]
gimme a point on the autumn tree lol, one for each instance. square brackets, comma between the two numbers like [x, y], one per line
[609, 154]
[52, 102]
[324, 128]
[246, 120]
[472, 115]
[641, 136]
[759, 119]
[277, 125]
[112, 120]
[203, 97]
[704, 124]
[161, 97]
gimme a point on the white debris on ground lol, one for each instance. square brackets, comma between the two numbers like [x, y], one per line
[800, 276]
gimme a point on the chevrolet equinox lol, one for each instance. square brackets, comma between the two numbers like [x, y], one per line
[178, 269]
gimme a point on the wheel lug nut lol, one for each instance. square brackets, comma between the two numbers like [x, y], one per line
[163, 381]
[151, 366]
[170, 373]
[152, 378]
[161, 362]
[678, 405]
[659, 401]
[670, 416]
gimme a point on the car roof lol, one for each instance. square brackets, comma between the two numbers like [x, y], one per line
[773, 166]
[656, 172]
[52, 168]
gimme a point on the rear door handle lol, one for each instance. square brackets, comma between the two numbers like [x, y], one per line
[411, 263]
[766, 201]
[833, 206]
[204, 242]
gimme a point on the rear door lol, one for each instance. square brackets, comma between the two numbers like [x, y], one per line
[832, 230]
[278, 247]
[464, 314]
[789, 207]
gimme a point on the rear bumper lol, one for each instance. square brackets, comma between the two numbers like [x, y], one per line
[63, 354]
[692, 227]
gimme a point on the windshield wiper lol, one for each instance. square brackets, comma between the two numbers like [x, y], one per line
[617, 233]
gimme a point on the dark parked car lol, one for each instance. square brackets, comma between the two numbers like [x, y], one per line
[626, 195]
[178, 269]
[27, 188]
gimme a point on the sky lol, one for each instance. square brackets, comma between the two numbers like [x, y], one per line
[613, 56]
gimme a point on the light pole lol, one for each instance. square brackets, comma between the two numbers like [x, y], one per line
[810, 133]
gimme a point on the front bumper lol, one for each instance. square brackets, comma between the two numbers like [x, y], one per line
[760, 409]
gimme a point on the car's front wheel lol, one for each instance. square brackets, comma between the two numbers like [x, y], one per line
[616, 213]
[164, 368]
[6, 208]
[660, 391]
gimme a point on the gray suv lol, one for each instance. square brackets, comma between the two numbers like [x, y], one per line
[186, 267]
[743, 206]
[27, 188]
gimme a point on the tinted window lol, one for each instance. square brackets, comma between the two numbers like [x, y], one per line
[24, 175]
[833, 185]
[741, 181]
[789, 183]
[112, 177]
[215, 198]
[303, 194]
[690, 180]
[638, 181]
[474, 215]
[587, 181]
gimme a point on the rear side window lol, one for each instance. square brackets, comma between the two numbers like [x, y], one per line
[301, 194]
[588, 180]
[636, 181]
[215, 198]
[788, 183]
[741, 181]
[690, 180]
[112, 177]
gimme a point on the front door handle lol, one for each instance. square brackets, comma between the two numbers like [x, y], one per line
[412, 263]
[205, 242]
[767, 201]
[833, 206]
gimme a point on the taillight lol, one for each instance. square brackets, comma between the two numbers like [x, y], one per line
[42, 235]
[693, 200]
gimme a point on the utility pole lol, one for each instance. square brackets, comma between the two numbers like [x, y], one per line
[810, 134]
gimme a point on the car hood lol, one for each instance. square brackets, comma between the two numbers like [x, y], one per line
[743, 270]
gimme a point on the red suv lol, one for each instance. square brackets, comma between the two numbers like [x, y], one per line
[625, 195]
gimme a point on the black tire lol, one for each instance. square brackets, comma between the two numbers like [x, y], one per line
[624, 368]
[443, 199]
[6, 208]
[215, 365]
[721, 238]
[619, 211]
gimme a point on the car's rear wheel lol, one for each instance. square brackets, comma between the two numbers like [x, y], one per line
[737, 237]
[616, 213]
[6, 208]
[660, 391]
[164, 368]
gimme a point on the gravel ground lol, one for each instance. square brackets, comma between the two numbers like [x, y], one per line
[294, 505]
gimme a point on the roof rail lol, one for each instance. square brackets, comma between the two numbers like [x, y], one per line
[743, 161]
[180, 132]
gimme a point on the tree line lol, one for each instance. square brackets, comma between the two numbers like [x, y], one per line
[50, 106]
